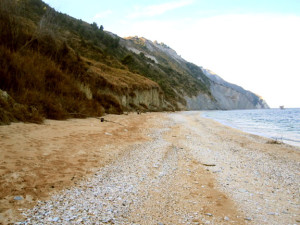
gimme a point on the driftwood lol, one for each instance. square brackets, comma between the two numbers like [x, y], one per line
[104, 120]
[208, 164]
[101, 119]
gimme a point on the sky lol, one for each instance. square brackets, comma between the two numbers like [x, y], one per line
[251, 43]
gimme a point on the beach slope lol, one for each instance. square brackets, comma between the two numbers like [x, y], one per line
[154, 168]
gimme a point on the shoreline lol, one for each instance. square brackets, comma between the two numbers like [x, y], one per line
[170, 168]
[249, 127]
[262, 177]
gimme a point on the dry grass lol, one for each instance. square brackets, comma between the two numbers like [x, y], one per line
[35, 81]
[42, 71]
[274, 142]
[121, 81]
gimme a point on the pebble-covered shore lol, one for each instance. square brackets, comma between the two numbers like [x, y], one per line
[185, 175]
[110, 196]
[265, 184]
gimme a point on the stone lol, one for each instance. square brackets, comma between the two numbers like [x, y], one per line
[17, 198]
[248, 218]
[208, 214]
[108, 220]
[226, 218]
[242, 190]
[55, 219]
[79, 220]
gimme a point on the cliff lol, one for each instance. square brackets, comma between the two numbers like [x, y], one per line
[213, 93]
[228, 96]
[55, 66]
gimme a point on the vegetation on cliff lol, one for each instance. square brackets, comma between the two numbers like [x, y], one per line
[55, 66]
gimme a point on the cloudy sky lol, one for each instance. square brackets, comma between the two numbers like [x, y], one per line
[252, 43]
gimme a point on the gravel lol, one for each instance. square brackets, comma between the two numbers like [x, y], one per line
[111, 195]
[266, 189]
[265, 186]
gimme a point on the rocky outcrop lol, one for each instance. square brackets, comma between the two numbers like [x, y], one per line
[229, 98]
[201, 102]
[226, 96]
[148, 99]
[212, 92]
[11, 111]
[126, 90]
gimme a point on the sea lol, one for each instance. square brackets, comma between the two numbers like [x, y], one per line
[278, 124]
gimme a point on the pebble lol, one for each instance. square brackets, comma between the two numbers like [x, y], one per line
[226, 218]
[242, 190]
[17, 198]
[55, 219]
[114, 193]
[79, 220]
[111, 193]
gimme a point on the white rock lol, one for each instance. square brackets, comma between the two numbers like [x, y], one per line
[226, 218]
[55, 219]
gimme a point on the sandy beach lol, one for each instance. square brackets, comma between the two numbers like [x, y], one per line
[153, 168]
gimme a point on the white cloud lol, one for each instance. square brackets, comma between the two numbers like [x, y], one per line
[259, 52]
[159, 9]
[103, 14]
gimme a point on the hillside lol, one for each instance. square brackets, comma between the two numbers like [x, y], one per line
[231, 96]
[55, 66]
[210, 92]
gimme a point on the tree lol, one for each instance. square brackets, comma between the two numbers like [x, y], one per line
[101, 28]
[94, 26]
[142, 55]
[9, 26]
[128, 59]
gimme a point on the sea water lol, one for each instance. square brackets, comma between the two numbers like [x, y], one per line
[278, 124]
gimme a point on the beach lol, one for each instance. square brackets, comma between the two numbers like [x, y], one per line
[152, 168]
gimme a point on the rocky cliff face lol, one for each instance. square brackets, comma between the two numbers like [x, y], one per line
[58, 67]
[231, 96]
[213, 92]
[151, 99]
[227, 96]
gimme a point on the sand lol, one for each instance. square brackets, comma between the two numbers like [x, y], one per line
[168, 168]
